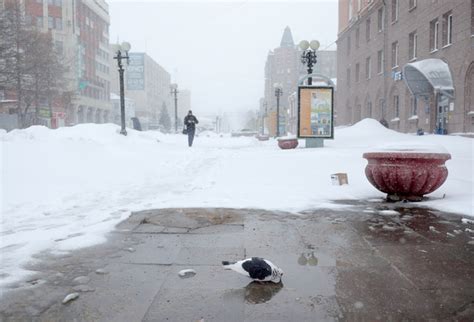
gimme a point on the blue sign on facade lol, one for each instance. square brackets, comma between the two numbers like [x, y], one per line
[136, 72]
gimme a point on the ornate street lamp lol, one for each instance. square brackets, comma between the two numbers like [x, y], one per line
[174, 91]
[278, 93]
[308, 57]
[121, 52]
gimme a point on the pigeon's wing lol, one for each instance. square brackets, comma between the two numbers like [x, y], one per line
[257, 268]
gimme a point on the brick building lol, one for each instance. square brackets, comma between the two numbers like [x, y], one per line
[283, 66]
[409, 62]
[79, 29]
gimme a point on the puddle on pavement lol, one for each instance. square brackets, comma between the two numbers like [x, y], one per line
[404, 220]
[307, 258]
[258, 293]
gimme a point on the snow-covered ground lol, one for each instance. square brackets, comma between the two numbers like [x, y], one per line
[66, 188]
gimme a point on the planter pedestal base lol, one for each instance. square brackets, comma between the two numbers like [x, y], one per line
[396, 198]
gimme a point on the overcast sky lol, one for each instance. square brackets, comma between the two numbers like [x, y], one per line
[217, 49]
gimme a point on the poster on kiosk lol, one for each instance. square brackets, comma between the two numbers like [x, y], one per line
[316, 112]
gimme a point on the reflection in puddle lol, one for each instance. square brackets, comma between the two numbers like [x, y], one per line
[308, 259]
[257, 293]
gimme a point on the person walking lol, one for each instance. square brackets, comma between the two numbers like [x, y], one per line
[190, 122]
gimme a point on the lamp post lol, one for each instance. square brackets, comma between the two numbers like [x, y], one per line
[308, 57]
[278, 93]
[121, 52]
[174, 91]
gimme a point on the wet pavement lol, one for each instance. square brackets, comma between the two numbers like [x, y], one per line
[371, 261]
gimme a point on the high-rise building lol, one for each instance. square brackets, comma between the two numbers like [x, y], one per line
[284, 67]
[408, 63]
[87, 21]
[148, 85]
[79, 29]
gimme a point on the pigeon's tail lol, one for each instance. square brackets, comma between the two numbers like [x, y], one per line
[227, 264]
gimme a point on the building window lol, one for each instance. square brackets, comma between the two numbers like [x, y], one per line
[472, 17]
[380, 62]
[412, 44]
[367, 29]
[395, 54]
[350, 10]
[414, 104]
[39, 22]
[59, 47]
[59, 23]
[447, 28]
[348, 45]
[367, 68]
[358, 35]
[348, 73]
[394, 10]
[411, 4]
[434, 26]
[50, 22]
[357, 72]
[381, 19]
[396, 106]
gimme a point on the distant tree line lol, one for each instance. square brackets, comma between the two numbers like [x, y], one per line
[30, 65]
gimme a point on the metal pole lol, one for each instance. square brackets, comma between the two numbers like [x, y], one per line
[278, 113]
[310, 67]
[123, 131]
[176, 110]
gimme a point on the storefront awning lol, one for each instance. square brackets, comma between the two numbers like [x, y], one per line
[427, 76]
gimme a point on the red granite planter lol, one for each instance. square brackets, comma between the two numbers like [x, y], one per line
[406, 175]
[287, 143]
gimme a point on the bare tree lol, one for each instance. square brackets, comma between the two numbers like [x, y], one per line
[45, 69]
[29, 64]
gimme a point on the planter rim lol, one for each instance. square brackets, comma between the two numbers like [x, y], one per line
[406, 155]
[287, 139]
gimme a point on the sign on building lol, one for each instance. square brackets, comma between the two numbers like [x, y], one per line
[315, 112]
[136, 72]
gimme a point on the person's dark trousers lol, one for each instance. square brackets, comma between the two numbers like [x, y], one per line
[191, 136]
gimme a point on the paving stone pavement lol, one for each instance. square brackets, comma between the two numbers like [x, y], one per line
[359, 263]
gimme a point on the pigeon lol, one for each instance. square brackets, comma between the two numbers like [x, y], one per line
[258, 269]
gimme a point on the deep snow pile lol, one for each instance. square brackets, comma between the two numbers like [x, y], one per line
[66, 188]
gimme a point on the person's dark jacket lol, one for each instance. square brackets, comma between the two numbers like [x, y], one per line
[190, 121]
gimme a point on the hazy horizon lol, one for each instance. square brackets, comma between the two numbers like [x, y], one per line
[218, 49]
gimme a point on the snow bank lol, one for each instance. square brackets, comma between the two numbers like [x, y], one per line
[66, 188]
